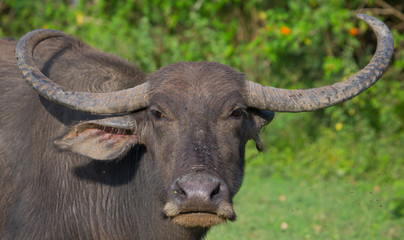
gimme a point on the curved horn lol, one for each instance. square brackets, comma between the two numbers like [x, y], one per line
[97, 103]
[283, 100]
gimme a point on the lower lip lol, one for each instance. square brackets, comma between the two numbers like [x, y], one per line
[198, 219]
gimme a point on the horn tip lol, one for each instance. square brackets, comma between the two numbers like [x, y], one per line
[367, 18]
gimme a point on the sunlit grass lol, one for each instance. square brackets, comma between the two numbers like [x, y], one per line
[275, 208]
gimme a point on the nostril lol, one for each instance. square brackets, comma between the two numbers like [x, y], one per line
[179, 192]
[215, 192]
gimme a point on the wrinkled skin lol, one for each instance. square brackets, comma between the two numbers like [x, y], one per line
[72, 175]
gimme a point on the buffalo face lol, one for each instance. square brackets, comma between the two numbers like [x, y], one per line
[200, 124]
[194, 129]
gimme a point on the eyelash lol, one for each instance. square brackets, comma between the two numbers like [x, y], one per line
[157, 114]
[237, 113]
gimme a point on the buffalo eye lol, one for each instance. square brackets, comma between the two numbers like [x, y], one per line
[237, 113]
[157, 114]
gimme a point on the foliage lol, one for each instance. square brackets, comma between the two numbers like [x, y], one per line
[290, 44]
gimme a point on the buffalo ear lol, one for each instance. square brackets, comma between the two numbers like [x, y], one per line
[261, 118]
[104, 139]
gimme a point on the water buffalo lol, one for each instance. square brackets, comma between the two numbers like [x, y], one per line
[101, 150]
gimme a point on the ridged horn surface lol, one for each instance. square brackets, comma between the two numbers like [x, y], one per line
[284, 100]
[97, 103]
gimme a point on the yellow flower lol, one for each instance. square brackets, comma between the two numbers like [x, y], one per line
[285, 30]
[79, 18]
[262, 16]
[338, 126]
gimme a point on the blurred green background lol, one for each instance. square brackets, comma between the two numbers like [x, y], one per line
[336, 173]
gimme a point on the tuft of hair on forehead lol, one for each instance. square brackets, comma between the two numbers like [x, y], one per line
[196, 74]
[208, 86]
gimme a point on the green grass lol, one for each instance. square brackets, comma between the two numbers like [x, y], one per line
[270, 207]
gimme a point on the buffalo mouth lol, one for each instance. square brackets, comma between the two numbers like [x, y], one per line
[200, 218]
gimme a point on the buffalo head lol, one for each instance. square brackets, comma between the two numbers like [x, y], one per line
[194, 118]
